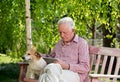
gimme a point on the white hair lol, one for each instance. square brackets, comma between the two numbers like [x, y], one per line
[67, 20]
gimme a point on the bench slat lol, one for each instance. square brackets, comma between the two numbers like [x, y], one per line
[104, 76]
[97, 64]
[110, 67]
[103, 65]
[117, 69]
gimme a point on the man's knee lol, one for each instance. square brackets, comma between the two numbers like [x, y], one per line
[53, 68]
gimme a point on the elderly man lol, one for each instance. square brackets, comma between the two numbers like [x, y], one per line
[71, 50]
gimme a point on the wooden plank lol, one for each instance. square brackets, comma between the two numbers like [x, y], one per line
[110, 67]
[105, 51]
[22, 73]
[91, 60]
[104, 76]
[117, 68]
[103, 65]
[97, 64]
[109, 51]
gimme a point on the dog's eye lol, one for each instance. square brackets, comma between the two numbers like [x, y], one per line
[28, 54]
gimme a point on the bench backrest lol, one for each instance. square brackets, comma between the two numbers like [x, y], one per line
[105, 61]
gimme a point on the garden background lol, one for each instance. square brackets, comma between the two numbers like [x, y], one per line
[98, 21]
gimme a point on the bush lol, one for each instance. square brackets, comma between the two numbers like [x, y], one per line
[9, 72]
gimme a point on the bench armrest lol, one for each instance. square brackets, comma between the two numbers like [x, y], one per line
[23, 63]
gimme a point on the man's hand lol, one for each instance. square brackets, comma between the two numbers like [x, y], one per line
[63, 64]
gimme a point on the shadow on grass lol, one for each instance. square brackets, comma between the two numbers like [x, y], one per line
[9, 72]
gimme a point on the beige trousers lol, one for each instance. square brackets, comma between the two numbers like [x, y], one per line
[54, 73]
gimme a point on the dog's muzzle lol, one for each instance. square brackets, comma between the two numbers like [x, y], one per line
[26, 58]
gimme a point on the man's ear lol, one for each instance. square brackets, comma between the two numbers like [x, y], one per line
[73, 30]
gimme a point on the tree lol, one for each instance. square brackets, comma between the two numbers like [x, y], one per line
[28, 25]
[12, 29]
[90, 17]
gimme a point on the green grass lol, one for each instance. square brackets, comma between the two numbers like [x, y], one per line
[4, 59]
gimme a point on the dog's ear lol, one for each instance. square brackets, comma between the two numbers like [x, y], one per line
[33, 48]
[38, 54]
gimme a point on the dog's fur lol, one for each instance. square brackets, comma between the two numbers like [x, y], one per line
[36, 63]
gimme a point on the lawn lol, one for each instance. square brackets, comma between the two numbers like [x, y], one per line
[9, 71]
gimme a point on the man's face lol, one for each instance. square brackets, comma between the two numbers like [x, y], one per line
[65, 32]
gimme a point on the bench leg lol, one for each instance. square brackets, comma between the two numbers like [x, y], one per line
[94, 80]
[22, 73]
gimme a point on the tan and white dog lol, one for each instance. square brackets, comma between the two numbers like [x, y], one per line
[36, 63]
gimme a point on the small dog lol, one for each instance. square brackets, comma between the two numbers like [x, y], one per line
[36, 63]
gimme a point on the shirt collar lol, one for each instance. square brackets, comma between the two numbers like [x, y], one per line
[75, 39]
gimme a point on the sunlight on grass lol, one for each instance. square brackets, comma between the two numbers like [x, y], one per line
[4, 58]
[8, 59]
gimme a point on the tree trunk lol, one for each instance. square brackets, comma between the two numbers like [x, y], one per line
[93, 30]
[28, 25]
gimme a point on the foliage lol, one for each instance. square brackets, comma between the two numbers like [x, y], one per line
[12, 30]
[45, 14]
[9, 72]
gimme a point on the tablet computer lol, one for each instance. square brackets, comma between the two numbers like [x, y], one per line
[50, 60]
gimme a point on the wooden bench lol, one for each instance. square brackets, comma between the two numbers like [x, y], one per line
[104, 62]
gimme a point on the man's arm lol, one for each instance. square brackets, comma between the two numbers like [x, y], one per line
[83, 65]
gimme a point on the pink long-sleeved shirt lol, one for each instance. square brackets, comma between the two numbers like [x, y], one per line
[75, 53]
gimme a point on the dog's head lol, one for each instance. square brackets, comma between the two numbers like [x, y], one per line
[32, 54]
